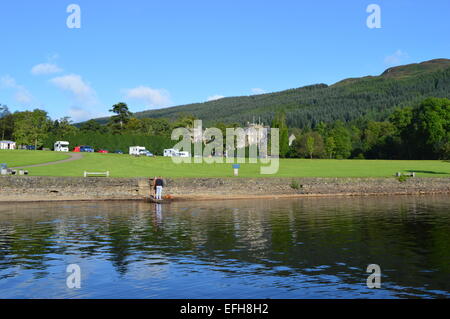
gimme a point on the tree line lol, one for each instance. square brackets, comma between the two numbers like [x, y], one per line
[421, 132]
[37, 129]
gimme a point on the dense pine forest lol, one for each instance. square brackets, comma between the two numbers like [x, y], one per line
[371, 98]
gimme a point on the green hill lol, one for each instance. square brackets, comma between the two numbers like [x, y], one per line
[371, 97]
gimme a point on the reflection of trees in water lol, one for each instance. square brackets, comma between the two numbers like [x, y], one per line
[119, 245]
[26, 246]
[346, 235]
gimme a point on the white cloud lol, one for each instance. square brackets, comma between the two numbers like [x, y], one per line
[397, 58]
[45, 68]
[79, 114]
[149, 96]
[258, 91]
[21, 94]
[215, 97]
[79, 89]
[84, 97]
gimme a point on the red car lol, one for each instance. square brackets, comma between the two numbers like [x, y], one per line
[103, 151]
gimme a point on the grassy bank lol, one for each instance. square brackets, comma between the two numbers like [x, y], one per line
[16, 158]
[128, 166]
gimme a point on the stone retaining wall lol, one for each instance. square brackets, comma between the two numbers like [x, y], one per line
[31, 188]
[292, 186]
[67, 188]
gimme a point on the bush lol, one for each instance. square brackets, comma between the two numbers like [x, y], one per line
[402, 178]
[296, 185]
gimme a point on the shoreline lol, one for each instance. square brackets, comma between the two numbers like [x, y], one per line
[200, 198]
[50, 189]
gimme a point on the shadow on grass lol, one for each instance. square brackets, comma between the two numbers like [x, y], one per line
[427, 172]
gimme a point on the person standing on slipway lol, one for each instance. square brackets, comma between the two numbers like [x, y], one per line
[159, 184]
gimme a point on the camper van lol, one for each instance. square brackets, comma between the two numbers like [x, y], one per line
[136, 150]
[140, 151]
[61, 146]
[171, 152]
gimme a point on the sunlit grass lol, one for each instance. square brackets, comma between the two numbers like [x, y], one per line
[129, 166]
[15, 158]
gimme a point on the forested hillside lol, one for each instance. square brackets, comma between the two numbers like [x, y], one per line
[402, 114]
[371, 97]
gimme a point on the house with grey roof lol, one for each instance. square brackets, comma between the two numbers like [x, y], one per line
[7, 145]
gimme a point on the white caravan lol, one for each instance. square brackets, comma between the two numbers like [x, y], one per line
[61, 146]
[137, 150]
[171, 152]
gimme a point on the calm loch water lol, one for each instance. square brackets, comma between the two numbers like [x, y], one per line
[301, 248]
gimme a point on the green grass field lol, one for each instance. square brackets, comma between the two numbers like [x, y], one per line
[18, 158]
[128, 166]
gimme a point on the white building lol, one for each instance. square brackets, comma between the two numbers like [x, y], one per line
[292, 138]
[256, 134]
[61, 146]
[7, 145]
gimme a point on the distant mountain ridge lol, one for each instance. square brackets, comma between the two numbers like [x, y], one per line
[371, 97]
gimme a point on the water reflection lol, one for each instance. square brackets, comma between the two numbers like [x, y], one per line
[243, 249]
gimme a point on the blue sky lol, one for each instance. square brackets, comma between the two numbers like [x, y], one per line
[153, 54]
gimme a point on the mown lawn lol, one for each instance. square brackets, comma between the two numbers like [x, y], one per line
[16, 158]
[128, 166]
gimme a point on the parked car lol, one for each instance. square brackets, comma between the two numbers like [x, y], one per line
[83, 148]
[30, 147]
[103, 151]
[146, 153]
[118, 152]
[87, 149]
